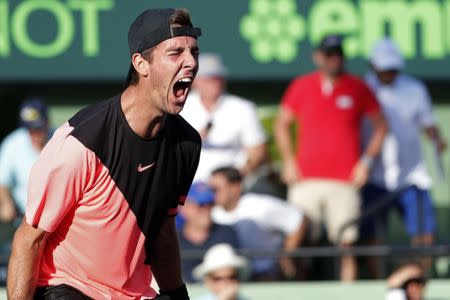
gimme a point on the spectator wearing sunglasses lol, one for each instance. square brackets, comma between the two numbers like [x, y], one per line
[407, 283]
[221, 272]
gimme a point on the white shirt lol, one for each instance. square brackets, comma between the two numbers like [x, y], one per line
[407, 108]
[272, 214]
[235, 126]
[17, 156]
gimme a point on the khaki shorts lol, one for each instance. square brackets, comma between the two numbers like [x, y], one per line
[332, 202]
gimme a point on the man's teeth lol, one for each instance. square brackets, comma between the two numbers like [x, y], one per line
[185, 80]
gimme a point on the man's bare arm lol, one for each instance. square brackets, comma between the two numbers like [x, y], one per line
[257, 156]
[380, 129]
[361, 170]
[165, 257]
[292, 242]
[282, 131]
[27, 248]
[434, 135]
[7, 208]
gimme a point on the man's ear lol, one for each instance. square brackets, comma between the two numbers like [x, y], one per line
[140, 64]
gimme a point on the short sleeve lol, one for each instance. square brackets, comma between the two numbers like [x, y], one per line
[57, 180]
[283, 216]
[291, 99]
[369, 102]
[425, 114]
[273, 212]
[6, 168]
[253, 133]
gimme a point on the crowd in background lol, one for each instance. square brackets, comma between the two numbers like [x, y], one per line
[358, 141]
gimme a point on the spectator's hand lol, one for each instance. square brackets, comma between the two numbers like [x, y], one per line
[290, 173]
[287, 267]
[230, 292]
[7, 212]
[360, 174]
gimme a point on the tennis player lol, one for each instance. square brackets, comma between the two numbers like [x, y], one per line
[99, 220]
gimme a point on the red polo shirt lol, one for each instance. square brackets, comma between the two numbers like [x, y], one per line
[328, 141]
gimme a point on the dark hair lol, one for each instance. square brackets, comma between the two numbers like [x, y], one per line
[230, 173]
[180, 17]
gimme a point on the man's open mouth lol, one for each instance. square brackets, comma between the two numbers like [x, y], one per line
[181, 88]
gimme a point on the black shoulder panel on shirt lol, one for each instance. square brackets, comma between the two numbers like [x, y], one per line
[150, 191]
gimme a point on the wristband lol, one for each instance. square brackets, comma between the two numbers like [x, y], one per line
[180, 293]
[367, 161]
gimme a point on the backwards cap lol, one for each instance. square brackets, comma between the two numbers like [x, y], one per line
[153, 27]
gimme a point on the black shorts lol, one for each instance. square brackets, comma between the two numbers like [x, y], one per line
[66, 292]
[59, 292]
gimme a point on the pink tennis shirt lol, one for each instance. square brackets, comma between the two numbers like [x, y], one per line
[102, 192]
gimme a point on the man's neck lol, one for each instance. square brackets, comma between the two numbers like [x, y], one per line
[144, 119]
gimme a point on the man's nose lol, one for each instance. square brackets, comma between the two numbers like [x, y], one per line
[190, 60]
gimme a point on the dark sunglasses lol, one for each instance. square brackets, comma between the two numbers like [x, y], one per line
[232, 277]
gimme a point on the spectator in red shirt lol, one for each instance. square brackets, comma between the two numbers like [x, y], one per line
[329, 167]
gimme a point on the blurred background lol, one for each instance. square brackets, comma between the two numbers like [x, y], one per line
[74, 53]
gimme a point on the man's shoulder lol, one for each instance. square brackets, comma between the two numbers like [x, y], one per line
[18, 136]
[95, 125]
[184, 131]
[410, 82]
[305, 78]
[259, 199]
[92, 113]
[231, 99]
[236, 104]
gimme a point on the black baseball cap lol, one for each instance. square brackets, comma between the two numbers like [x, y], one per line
[153, 27]
[331, 44]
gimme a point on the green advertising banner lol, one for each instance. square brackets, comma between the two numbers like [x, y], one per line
[258, 39]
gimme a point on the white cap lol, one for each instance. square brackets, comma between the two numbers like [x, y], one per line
[210, 65]
[217, 257]
[386, 56]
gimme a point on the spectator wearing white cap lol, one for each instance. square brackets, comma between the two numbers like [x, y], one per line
[221, 271]
[18, 152]
[407, 282]
[407, 108]
[231, 131]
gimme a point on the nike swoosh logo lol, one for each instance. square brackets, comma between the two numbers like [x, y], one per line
[142, 168]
